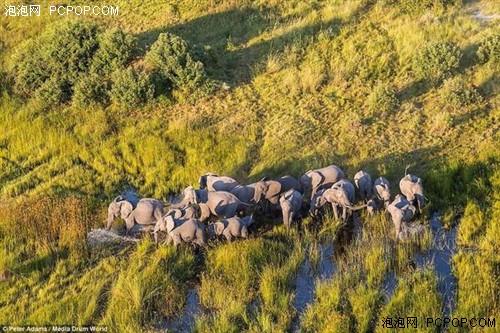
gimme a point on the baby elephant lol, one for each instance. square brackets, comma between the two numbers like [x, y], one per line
[232, 227]
[291, 203]
[179, 231]
[363, 182]
[402, 211]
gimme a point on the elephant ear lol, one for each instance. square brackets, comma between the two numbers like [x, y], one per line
[219, 227]
[125, 209]
[170, 223]
[189, 192]
[273, 189]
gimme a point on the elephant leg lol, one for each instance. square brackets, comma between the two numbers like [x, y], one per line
[344, 213]
[168, 239]
[397, 227]
[176, 239]
[129, 224]
[228, 236]
[335, 211]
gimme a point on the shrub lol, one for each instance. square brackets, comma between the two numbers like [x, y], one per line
[53, 91]
[116, 49]
[382, 100]
[131, 88]
[60, 54]
[437, 61]
[170, 56]
[71, 58]
[90, 90]
[456, 94]
[489, 49]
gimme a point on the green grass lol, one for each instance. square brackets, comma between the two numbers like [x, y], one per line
[303, 85]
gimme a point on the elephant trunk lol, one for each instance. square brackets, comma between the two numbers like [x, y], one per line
[355, 208]
[111, 218]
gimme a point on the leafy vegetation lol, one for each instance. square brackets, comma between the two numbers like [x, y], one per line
[89, 107]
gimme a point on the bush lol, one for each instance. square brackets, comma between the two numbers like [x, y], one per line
[116, 49]
[131, 88]
[437, 61]
[69, 59]
[382, 100]
[53, 92]
[60, 54]
[170, 56]
[456, 93]
[90, 90]
[489, 49]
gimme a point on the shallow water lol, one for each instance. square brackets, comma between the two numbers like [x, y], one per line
[306, 280]
[439, 257]
[389, 284]
[186, 321]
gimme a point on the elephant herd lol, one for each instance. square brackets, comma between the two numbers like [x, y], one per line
[223, 207]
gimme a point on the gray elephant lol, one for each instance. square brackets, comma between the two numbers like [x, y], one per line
[341, 194]
[363, 182]
[314, 180]
[186, 212]
[182, 230]
[275, 188]
[412, 188]
[289, 182]
[382, 191]
[402, 211]
[219, 203]
[291, 204]
[234, 227]
[214, 182]
[147, 211]
[250, 194]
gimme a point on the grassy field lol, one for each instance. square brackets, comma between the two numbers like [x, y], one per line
[300, 85]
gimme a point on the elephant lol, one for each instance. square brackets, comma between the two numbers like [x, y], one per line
[363, 182]
[219, 203]
[186, 212]
[291, 204]
[382, 190]
[181, 230]
[314, 180]
[272, 190]
[340, 194]
[402, 211]
[289, 182]
[275, 188]
[251, 194]
[232, 227]
[146, 212]
[214, 182]
[412, 188]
